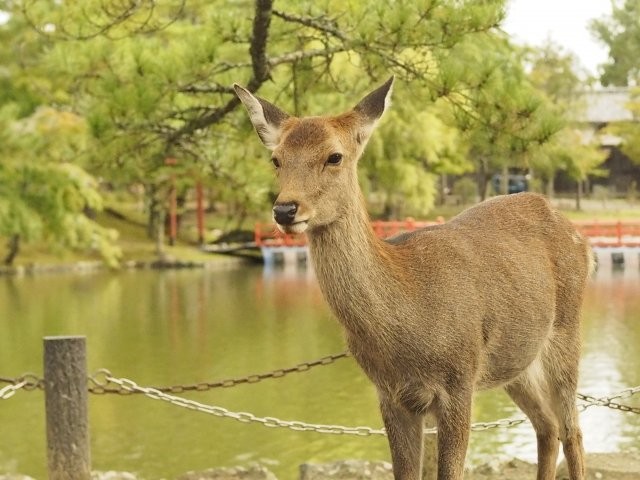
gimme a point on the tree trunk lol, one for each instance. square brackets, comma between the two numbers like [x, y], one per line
[152, 205]
[504, 180]
[579, 195]
[443, 189]
[549, 189]
[14, 248]
[481, 178]
[159, 235]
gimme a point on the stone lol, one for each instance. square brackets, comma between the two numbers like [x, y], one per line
[347, 470]
[511, 470]
[253, 472]
[607, 466]
[112, 475]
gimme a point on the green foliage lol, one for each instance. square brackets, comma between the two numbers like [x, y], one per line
[154, 83]
[554, 72]
[579, 157]
[629, 131]
[503, 116]
[409, 150]
[465, 188]
[620, 32]
[166, 93]
[43, 195]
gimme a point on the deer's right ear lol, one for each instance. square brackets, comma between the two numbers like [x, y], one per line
[371, 108]
[266, 118]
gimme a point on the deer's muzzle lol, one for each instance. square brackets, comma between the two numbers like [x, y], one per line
[285, 213]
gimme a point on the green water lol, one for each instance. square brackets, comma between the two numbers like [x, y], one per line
[162, 328]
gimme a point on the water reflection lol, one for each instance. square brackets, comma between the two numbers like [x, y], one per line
[174, 327]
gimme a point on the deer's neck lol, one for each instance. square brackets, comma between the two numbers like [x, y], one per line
[354, 269]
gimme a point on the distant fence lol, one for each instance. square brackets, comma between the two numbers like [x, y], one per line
[268, 235]
[614, 242]
[611, 233]
[66, 385]
[615, 233]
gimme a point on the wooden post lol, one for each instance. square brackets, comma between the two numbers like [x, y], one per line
[65, 389]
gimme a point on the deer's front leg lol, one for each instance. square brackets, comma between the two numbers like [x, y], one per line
[454, 423]
[405, 434]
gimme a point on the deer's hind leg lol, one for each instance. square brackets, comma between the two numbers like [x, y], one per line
[528, 392]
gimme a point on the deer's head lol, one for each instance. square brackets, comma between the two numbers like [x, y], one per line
[315, 157]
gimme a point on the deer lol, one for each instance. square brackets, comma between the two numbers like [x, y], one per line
[491, 298]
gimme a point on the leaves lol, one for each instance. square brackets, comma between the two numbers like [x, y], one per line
[43, 195]
[620, 32]
[117, 88]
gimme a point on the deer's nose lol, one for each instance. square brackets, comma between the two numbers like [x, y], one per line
[284, 213]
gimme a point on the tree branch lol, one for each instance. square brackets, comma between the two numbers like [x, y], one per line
[326, 27]
[259, 66]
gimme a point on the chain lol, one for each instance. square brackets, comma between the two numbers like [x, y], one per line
[10, 390]
[131, 387]
[28, 382]
[246, 417]
[103, 378]
[609, 401]
[97, 384]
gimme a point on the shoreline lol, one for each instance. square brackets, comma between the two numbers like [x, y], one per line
[610, 466]
[93, 266]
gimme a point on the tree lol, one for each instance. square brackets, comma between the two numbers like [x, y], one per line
[620, 32]
[168, 93]
[44, 195]
[556, 73]
[629, 131]
[501, 114]
[579, 157]
[163, 88]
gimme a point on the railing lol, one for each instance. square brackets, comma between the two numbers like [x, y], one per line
[611, 233]
[600, 233]
[268, 235]
[66, 385]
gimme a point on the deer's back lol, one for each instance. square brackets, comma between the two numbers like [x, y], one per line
[497, 276]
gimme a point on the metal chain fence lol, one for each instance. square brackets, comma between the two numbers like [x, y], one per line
[103, 382]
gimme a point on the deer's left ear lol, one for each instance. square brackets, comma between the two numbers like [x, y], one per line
[371, 108]
[266, 118]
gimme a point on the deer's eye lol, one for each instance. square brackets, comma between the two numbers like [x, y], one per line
[334, 159]
[276, 162]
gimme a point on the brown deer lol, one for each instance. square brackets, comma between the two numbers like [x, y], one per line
[491, 298]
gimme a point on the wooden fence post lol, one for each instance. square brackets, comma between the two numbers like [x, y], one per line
[65, 389]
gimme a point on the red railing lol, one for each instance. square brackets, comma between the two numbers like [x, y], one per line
[267, 235]
[601, 233]
[614, 233]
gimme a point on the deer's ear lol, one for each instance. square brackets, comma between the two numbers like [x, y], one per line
[266, 118]
[371, 108]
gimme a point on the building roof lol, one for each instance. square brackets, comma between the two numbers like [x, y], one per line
[605, 105]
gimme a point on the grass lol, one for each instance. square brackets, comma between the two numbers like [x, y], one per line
[612, 209]
[132, 240]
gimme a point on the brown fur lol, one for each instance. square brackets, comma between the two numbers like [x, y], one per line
[491, 298]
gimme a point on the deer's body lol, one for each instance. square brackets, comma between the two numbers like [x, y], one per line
[491, 298]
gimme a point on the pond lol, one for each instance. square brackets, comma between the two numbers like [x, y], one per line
[177, 327]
